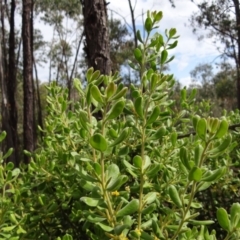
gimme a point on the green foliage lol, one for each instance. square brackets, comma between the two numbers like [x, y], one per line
[130, 175]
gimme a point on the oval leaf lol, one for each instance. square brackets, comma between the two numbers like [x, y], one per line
[98, 142]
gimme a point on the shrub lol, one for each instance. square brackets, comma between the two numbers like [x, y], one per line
[135, 173]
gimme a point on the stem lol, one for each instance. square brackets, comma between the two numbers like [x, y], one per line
[91, 133]
[110, 212]
[186, 210]
[228, 236]
[141, 176]
[191, 194]
[203, 154]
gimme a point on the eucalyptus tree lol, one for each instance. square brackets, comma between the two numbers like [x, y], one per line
[9, 80]
[29, 137]
[63, 50]
[97, 44]
[222, 20]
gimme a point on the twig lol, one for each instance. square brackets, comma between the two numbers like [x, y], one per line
[231, 127]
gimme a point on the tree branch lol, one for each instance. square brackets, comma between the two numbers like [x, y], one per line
[231, 127]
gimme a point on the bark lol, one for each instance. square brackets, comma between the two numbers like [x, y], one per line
[28, 112]
[11, 87]
[97, 45]
[5, 109]
[4, 51]
[8, 82]
[33, 85]
[237, 13]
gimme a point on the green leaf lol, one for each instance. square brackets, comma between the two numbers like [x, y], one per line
[138, 54]
[221, 148]
[21, 230]
[146, 236]
[184, 157]
[117, 183]
[149, 209]
[158, 16]
[213, 124]
[110, 89]
[161, 132]
[173, 193]
[120, 228]
[92, 202]
[172, 32]
[129, 209]
[123, 136]
[96, 94]
[203, 186]
[93, 218]
[112, 173]
[164, 56]
[172, 45]
[202, 128]
[222, 130]
[150, 197]
[2, 136]
[119, 94]
[104, 227]
[148, 24]
[87, 185]
[235, 215]
[95, 75]
[198, 154]
[173, 138]
[153, 116]
[8, 229]
[9, 152]
[212, 176]
[138, 106]
[195, 174]
[115, 110]
[83, 119]
[200, 222]
[184, 94]
[98, 142]
[195, 120]
[137, 161]
[89, 74]
[139, 36]
[67, 237]
[9, 166]
[223, 219]
[153, 170]
[97, 168]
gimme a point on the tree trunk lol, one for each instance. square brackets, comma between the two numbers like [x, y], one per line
[97, 35]
[8, 83]
[11, 87]
[28, 112]
[5, 109]
[237, 13]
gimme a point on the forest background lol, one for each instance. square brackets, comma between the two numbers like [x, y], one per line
[107, 41]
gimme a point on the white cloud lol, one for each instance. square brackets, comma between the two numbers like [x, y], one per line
[189, 51]
[185, 81]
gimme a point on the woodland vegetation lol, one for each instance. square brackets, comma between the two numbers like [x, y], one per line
[98, 152]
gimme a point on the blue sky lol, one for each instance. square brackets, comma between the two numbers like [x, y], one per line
[189, 53]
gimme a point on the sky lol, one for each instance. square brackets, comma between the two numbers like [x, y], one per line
[190, 51]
